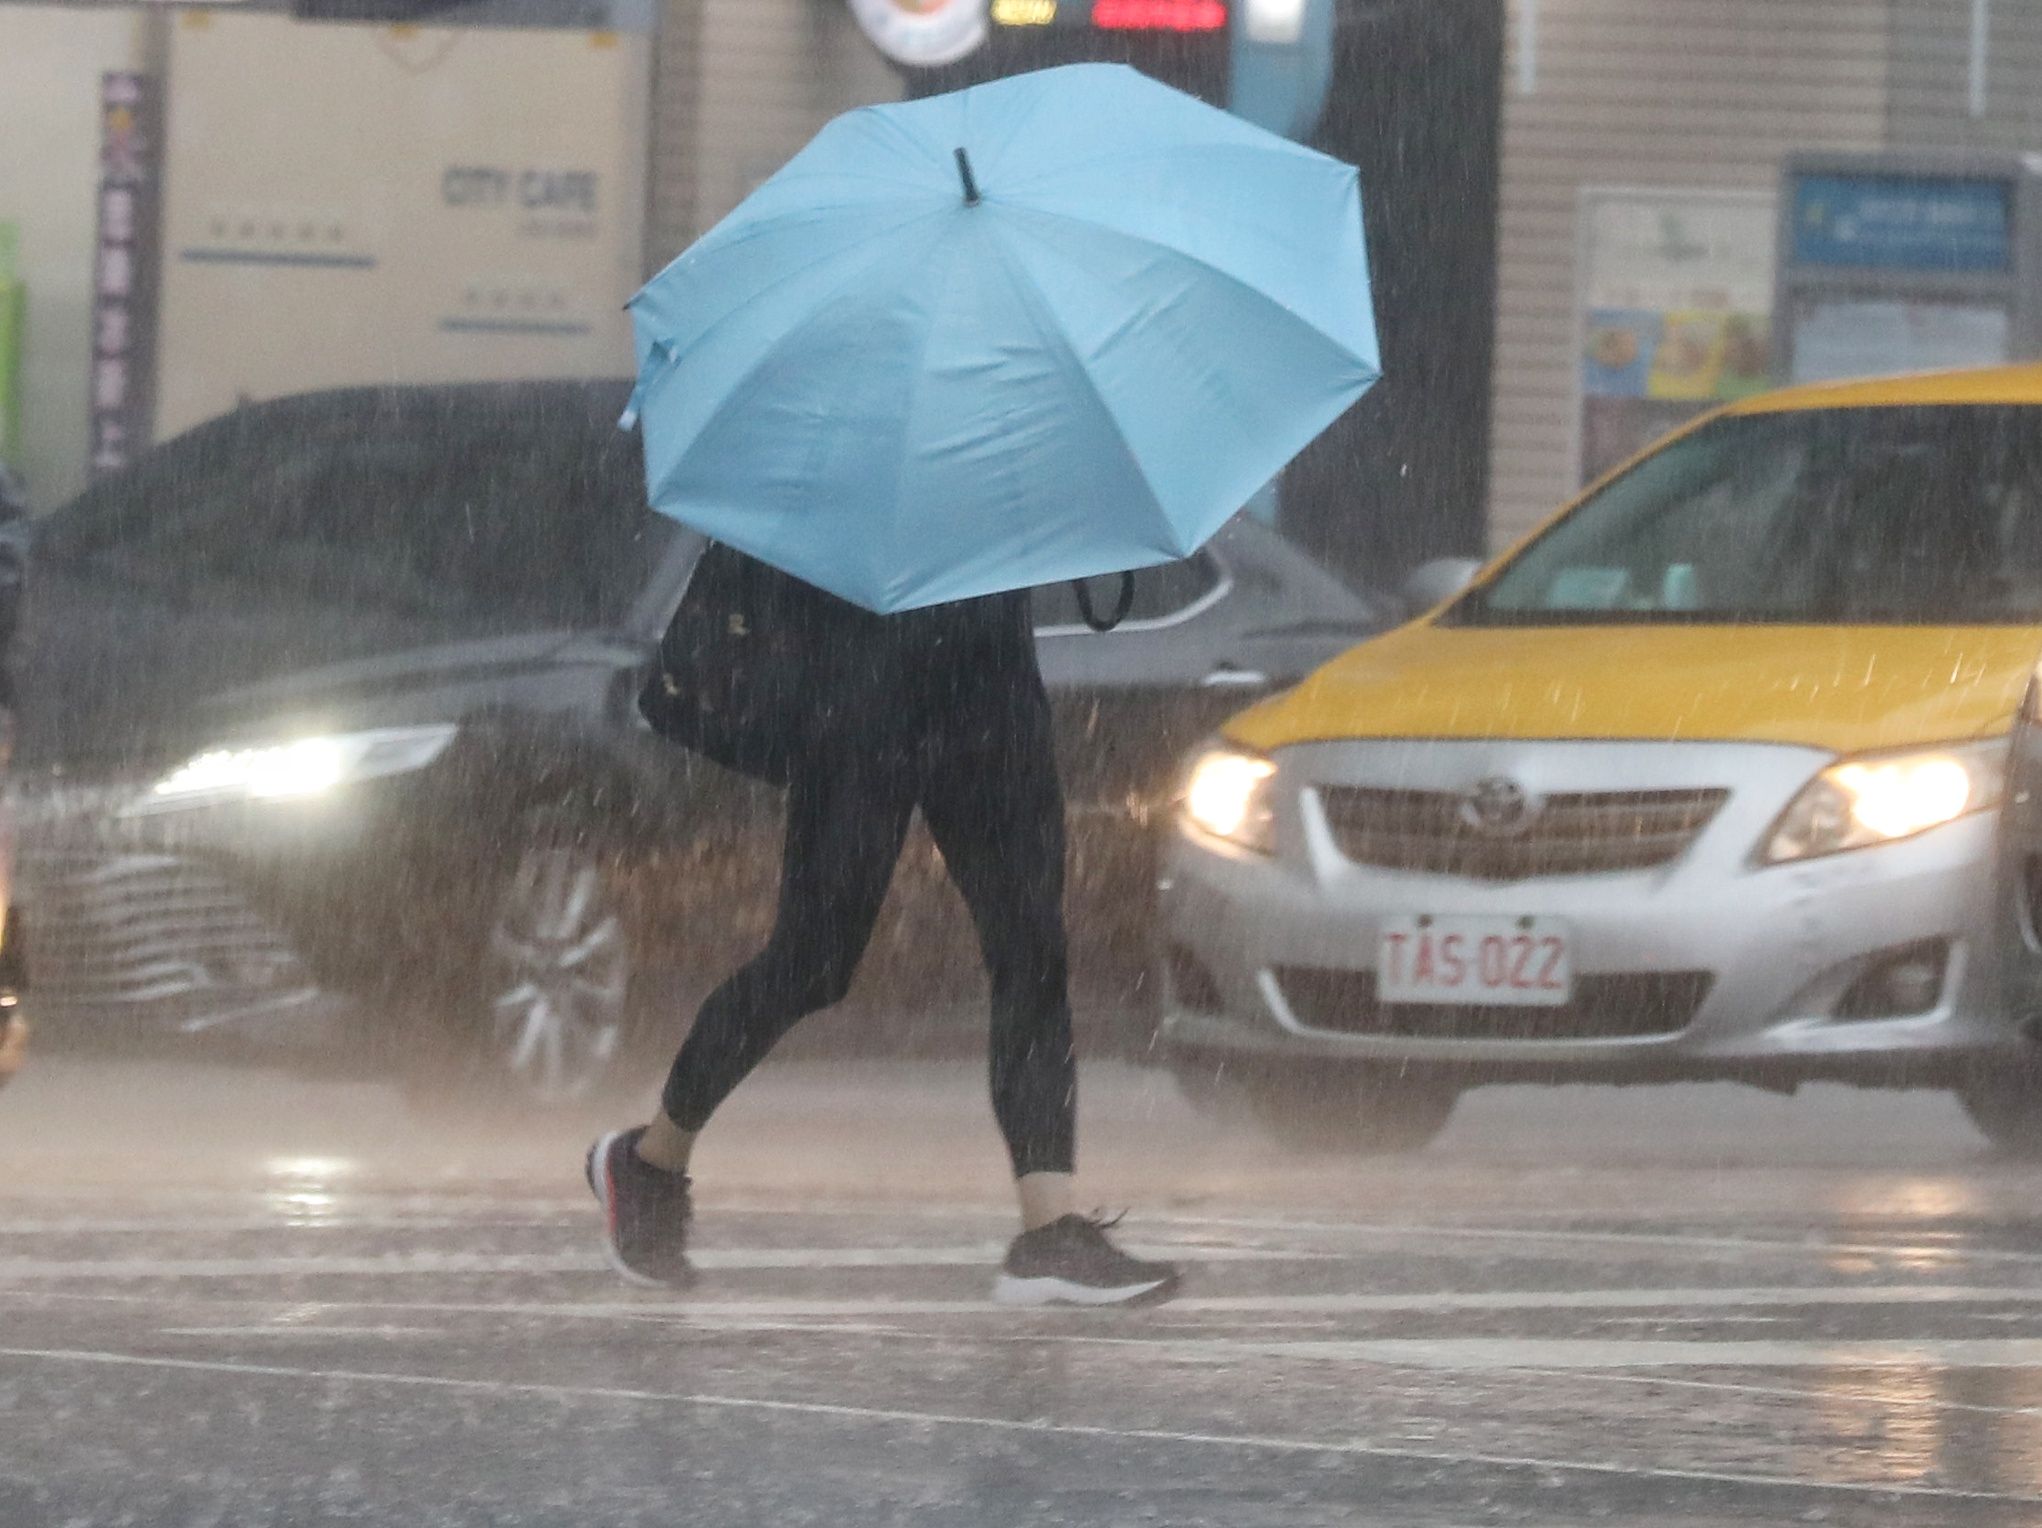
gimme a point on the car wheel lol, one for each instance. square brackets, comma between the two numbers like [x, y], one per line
[2006, 1106]
[542, 1010]
[556, 976]
[1352, 1112]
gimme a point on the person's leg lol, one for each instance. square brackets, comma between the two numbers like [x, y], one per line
[1046, 1198]
[844, 829]
[666, 1145]
[846, 821]
[991, 797]
[995, 808]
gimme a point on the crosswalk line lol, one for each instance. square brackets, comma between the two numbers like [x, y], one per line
[408, 1264]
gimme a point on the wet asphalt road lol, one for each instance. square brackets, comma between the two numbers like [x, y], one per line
[227, 1298]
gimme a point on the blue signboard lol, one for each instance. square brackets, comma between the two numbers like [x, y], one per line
[1904, 223]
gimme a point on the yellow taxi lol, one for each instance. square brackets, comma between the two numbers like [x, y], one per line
[1728, 772]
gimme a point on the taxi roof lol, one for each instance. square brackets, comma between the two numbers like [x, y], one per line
[1984, 385]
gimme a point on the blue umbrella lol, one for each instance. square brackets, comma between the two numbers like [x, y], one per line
[1059, 325]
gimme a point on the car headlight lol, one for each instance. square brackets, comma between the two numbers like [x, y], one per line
[1881, 798]
[1227, 795]
[300, 768]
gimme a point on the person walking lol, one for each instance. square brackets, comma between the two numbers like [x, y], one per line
[1049, 327]
[943, 709]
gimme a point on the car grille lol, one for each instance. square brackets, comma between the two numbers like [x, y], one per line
[1574, 833]
[132, 929]
[1627, 1006]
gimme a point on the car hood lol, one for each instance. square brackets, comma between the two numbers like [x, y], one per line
[340, 685]
[108, 687]
[1844, 689]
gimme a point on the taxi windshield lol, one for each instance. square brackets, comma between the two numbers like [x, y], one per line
[1917, 516]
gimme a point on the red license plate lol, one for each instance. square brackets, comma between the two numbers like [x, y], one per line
[1518, 962]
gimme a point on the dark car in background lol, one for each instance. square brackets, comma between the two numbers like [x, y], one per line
[330, 744]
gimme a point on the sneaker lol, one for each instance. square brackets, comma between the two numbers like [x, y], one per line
[645, 1213]
[1070, 1262]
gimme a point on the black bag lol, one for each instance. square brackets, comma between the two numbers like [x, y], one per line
[731, 680]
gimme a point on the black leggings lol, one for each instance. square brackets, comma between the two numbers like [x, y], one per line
[985, 779]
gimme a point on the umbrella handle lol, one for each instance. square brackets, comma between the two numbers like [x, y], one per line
[1121, 606]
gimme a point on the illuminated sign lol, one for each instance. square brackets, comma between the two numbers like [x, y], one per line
[1125, 15]
[1159, 15]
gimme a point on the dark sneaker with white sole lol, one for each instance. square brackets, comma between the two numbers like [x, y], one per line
[1070, 1262]
[645, 1213]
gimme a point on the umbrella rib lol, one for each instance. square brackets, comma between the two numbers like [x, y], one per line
[796, 271]
[1104, 230]
[1053, 332]
[736, 310]
[1222, 274]
[732, 234]
[1053, 326]
[738, 393]
[912, 412]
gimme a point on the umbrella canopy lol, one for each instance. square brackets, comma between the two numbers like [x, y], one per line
[1055, 326]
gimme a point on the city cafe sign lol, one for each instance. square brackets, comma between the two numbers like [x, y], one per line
[923, 33]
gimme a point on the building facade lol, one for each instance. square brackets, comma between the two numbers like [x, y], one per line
[1696, 99]
[1684, 101]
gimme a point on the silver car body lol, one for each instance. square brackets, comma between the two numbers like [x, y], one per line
[1706, 963]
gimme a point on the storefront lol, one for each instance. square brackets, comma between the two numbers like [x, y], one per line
[212, 205]
[355, 203]
[1643, 148]
[509, 181]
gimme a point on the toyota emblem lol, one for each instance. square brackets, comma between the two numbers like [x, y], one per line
[1499, 808]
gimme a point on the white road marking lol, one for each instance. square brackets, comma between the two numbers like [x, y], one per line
[1663, 1319]
[984, 1254]
[393, 1265]
[545, 1211]
[283, 1219]
[712, 1323]
[854, 1317]
[286, 1329]
[1247, 1442]
[1826, 1393]
[1619, 1299]
[1192, 1305]
[1503, 1300]
[1912, 1253]
[1550, 1354]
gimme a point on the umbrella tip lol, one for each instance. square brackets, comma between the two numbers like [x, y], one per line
[971, 196]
